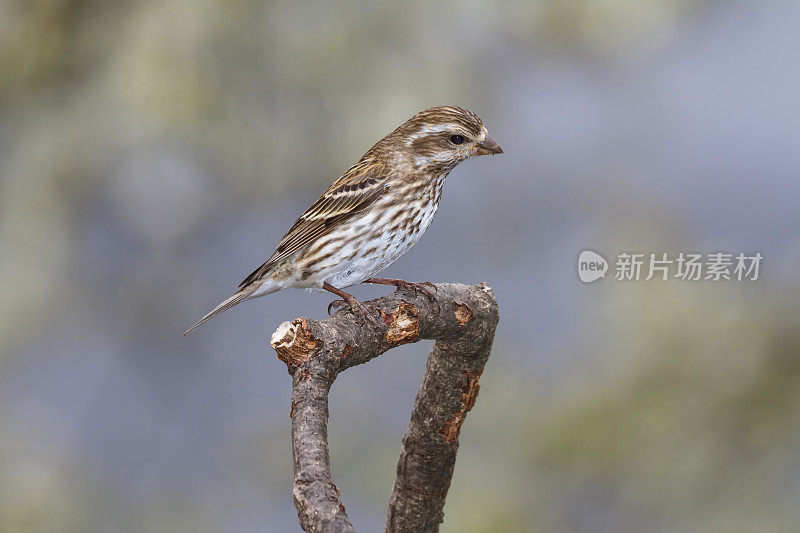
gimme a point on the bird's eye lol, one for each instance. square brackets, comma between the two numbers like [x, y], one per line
[456, 139]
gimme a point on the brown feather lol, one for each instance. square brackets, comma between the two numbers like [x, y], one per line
[355, 190]
[236, 299]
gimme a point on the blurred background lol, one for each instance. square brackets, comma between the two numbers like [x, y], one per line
[152, 154]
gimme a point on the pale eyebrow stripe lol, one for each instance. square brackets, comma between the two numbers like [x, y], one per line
[441, 128]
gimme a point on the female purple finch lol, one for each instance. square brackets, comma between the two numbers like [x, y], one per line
[373, 214]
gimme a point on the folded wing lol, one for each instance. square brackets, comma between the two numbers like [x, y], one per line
[353, 192]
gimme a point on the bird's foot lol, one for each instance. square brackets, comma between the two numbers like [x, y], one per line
[356, 307]
[403, 285]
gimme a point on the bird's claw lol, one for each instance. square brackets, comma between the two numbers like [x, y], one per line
[366, 311]
[422, 288]
[335, 304]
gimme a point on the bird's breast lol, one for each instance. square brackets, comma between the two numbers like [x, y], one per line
[376, 237]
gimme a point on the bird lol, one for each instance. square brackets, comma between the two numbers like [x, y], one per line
[372, 214]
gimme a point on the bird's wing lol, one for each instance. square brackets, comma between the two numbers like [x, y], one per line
[356, 189]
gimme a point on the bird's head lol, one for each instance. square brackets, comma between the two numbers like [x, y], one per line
[439, 138]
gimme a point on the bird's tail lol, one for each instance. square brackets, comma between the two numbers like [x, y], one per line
[251, 291]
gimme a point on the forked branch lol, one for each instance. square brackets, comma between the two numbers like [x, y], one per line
[462, 320]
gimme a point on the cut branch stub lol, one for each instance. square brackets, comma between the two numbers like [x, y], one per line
[293, 342]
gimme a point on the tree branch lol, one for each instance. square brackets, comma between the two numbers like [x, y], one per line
[462, 320]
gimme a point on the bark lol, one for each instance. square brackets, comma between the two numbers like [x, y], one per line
[462, 320]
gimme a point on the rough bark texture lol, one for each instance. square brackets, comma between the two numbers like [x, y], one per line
[462, 320]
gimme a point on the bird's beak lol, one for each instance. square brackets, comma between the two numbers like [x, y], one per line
[487, 146]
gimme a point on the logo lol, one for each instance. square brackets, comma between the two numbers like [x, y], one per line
[591, 266]
[684, 266]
